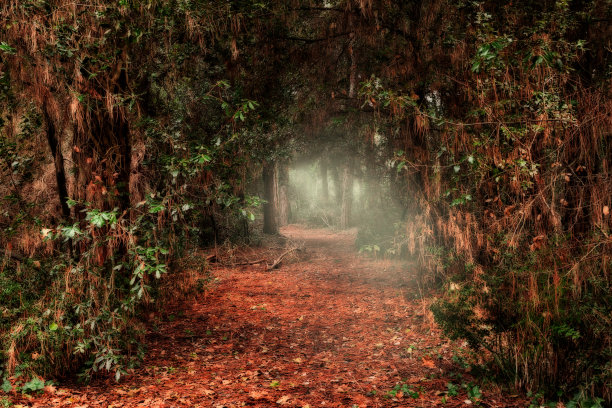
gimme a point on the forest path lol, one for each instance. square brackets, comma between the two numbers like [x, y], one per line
[331, 329]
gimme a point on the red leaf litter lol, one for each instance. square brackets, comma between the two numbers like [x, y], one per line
[331, 328]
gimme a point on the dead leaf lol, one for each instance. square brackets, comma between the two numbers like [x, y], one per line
[50, 389]
[259, 395]
[429, 363]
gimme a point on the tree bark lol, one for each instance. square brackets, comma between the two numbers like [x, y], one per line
[353, 71]
[347, 177]
[347, 197]
[103, 149]
[324, 183]
[270, 213]
[284, 209]
[103, 162]
[58, 159]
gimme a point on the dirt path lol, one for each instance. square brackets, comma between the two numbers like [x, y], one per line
[333, 329]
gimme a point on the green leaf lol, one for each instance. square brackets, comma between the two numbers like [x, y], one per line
[6, 386]
[71, 232]
[155, 208]
[97, 220]
[474, 393]
[7, 48]
[53, 326]
[36, 384]
[202, 158]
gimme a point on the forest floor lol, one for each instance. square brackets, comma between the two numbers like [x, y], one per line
[328, 328]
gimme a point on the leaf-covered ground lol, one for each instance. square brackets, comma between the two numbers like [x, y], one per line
[330, 329]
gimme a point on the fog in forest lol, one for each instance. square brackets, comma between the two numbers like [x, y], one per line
[326, 194]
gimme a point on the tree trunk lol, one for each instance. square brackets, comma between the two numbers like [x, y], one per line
[103, 151]
[324, 184]
[58, 158]
[347, 177]
[284, 210]
[102, 159]
[337, 184]
[347, 197]
[353, 71]
[269, 181]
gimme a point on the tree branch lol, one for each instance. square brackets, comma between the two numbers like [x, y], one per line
[315, 40]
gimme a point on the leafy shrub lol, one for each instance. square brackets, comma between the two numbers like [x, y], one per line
[543, 329]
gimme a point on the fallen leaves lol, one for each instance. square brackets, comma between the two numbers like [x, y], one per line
[331, 331]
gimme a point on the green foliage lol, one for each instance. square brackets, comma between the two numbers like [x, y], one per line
[6, 386]
[488, 55]
[34, 385]
[487, 314]
[405, 389]
[473, 392]
[78, 310]
[4, 47]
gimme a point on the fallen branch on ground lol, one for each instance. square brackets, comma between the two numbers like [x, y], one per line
[250, 262]
[278, 260]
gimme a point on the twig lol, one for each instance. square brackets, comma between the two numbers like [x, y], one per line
[278, 260]
[250, 262]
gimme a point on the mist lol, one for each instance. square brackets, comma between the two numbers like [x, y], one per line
[326, 193]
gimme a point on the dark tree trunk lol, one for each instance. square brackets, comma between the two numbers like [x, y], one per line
[324, 184]
[269, 183]
[353, 70]
[284, 209]
[347, 197]
[103, 162]
[347, 176]
[58, 158]
[103, 150]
